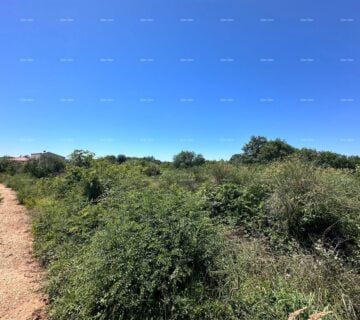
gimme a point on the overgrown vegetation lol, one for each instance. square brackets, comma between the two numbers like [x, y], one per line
[268, 233]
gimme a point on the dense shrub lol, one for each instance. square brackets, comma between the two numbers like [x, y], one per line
[221, 172]
[110, 158]
[328, 159]
[310, 204]
[27, 187]
[9, 166]
[187, 159]
[233, 203]
[45, 166]
[217, 241]
[266, 286]
[151, 170]
[5, 163]
[151, 159]
[155, 259]
[93, 188]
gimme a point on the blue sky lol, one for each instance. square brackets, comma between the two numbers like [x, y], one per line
[154, 77]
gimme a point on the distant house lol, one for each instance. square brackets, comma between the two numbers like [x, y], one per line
[45, 154]
[20, 159]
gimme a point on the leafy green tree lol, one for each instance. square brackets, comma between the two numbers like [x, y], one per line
[121, 158]
[187, 159]
[253, 148]
[261, 150]
[45, 166]
[81, 158]
[151, 159]
[275, 150]
[307, 154]
[110, 158]
[328, 159]
[334, 160]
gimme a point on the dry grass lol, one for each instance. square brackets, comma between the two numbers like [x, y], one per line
[295, 314]
[319, 315]
[315, 316]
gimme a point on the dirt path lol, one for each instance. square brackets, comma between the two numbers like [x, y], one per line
[20, 275]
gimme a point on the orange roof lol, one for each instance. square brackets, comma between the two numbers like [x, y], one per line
[20, 159]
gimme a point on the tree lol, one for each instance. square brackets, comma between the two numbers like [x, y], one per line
[308, 154]
[253, 148]
[187, 159]
[110, 158]
[261, 150]
[328, 159]
[334, 160]
[151, 159]
[121, 158]
[45, 166]
[81, 158]
[274, 150]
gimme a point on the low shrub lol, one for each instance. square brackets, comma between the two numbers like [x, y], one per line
[151, 170]
[156, 258]
[265, 286]
[45, 166]
[217, 241]
[233, 203]
[93, 188]
[310, 203]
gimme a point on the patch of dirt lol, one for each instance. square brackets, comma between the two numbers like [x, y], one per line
[20, 274]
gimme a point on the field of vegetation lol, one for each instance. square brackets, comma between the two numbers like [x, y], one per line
[271, 231]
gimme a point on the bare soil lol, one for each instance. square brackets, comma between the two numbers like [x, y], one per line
[20, 274]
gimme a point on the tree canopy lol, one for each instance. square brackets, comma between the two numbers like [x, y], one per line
[187, 159]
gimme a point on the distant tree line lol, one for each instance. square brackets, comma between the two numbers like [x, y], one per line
[261, 150]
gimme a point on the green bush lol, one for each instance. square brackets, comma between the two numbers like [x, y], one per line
[27, 187]
[221, 172]
[156, 258]
[310, 204]
[264, 286]
[187, 159]
[328, 159]
[93, 188]
[151, 170]
[9, 166]
[230, 202]
[45, 166]
[217, 241]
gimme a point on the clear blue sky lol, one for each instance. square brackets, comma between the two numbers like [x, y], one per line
[153, 77]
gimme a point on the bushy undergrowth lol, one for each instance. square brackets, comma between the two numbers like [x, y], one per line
[265, 285]
[145, 240]
[154, 256]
